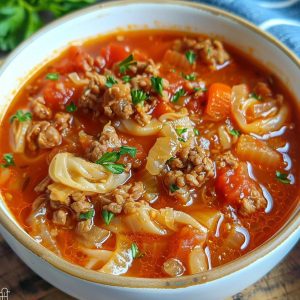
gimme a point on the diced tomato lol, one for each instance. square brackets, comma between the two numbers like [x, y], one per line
[58, 93]
[161, 108]
[184, 242]
[219, 101]
[234, 184]
[114, 53]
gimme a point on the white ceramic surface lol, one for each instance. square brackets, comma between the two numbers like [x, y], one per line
[98, 20]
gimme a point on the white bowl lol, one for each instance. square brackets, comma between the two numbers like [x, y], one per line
[103, 18]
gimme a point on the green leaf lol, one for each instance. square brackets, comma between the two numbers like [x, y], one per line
[189, 77]
[181, 140]
[128, 150]
[282, 177]
[190, 56]
[108, 157]
[71, 107]
[87, 215]
[157, 84]
[9, 160]
[255, 96]
[110, 81]
[126, 78]
[177, 95]
[126, 63]
[234, 132]
[135, 251]
[52, 76]
[173, 188]
[196, 131]
[138, 96]
[197, 89]
[181, 131]
[21, 116]
[114, 168]
[107, 216]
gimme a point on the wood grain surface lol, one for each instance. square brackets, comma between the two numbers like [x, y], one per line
[282, 283]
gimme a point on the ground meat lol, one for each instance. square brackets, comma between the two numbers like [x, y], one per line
[84, 226]
[145, 67]
[39, 109]
[140, 82]
[91, 96]
[42, 186]
[59, 217]
[63, 121]
[210, 51]
[253, 203]
[115, 201]
[42, 135]
[263, 90]
[191, 168]
[117, 101]
[81, 206]
[227, 159]
[173, 267]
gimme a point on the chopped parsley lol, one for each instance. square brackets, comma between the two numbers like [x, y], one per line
[177, 95]
[157, 84]
[196, 131]
[282, 177]
[197, 89]
[138, 97]
[255, 96]
[126, 63]
[181, 139]
[87, 215]
[21, 116]
[181, 131]
[109, 157]
[126, 78]
[128, 150]
[71, 107]
[8, 160]
[107, 216]
[189, 77]
[234, 132]
[190, 56]
[173, 188]
[135, 251]
[110, 81]
[52, 76]
[114, 168]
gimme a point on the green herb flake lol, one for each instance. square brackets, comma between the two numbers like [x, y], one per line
[189, 77]
[114, 168]
[234, 132]
[282, 177]
[126, 63]
[107, 216]
[52, 76]
[173, 188]
[196, 131]
[177, 95]
[126, 78]
[128, 150]
[157, 84]
[87, 215]
[108, 157]
[190, 56]
[138, 97]
[110, 81]
[71, 107]
[135, 251]
[181, 140]
[21, 116]
[255, 96]
[197, 89]
[8, 159]
[170, 159]
[181, 131]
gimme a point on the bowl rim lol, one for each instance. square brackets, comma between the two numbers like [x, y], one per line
[291, 226]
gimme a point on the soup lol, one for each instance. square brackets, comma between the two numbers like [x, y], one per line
[150, 154]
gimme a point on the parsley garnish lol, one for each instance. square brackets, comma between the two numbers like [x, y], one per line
[108, 157]
[190, 56]
[197, 89]
[126, 78]
[114, 168]
[9, 160]
[255, 96]
[157, 84]
[87, 215]
[234, 132]
[71, 107]
[173, 188]
[196, 131]
[21, 116]
[126, 63]
[52, 76]
[189, 77]
[282, 177]
[128, 150]
[181, 139]
[138, 97]
[135, 251]
[181, 131]
[107, 216]
[177, 95]
[110, 81]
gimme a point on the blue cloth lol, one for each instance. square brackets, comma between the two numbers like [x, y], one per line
[279, 17]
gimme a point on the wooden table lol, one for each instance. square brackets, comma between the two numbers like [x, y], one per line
[282, 283]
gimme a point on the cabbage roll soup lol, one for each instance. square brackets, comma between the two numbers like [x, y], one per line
[150, 154]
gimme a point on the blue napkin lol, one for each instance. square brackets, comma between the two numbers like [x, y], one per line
[279, 17]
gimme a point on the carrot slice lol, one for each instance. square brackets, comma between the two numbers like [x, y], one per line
[219, 101]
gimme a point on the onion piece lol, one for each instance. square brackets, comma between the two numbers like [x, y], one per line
[74, 77]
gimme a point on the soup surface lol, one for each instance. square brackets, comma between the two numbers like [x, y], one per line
[150, 154]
